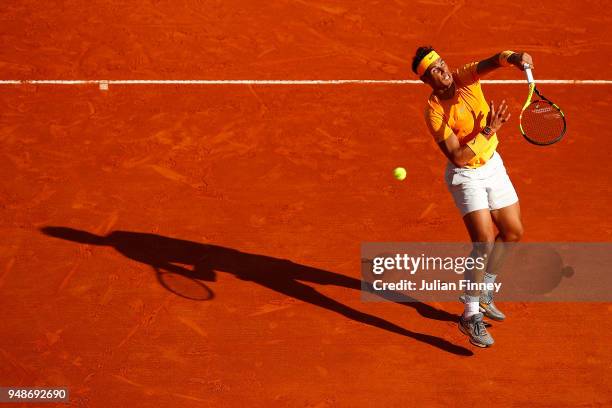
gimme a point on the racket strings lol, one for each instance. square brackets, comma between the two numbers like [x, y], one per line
[542, 122]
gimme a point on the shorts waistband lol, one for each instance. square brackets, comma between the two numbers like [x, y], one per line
[495, 159]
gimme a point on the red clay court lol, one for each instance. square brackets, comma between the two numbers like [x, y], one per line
[268, 191]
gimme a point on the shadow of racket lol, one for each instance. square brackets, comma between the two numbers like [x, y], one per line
[183, 285]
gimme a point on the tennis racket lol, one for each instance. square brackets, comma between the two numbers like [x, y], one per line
[542, 122]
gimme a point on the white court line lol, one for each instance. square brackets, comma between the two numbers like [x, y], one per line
[278, 81]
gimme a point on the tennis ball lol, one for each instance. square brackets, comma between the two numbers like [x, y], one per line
[399, 173]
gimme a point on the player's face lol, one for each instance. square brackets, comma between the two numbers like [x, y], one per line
[439, 75]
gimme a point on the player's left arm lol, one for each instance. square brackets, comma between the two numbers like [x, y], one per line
[504, 59]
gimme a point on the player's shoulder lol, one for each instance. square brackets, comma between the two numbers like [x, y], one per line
[433, 109]
[432, 105]
[467, 74]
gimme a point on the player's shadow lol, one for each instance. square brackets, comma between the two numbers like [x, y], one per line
[280, 275]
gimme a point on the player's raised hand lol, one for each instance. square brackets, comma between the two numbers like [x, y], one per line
[497, 117]
[519, 59]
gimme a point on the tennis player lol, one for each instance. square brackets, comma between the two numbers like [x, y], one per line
[465, 128]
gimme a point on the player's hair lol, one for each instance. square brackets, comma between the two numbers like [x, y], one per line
[420, 53]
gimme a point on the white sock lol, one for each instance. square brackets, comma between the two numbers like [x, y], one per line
[471, 306]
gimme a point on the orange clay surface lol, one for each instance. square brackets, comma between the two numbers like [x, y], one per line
[267, 192]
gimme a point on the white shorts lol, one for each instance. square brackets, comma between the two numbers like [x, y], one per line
[485, 187]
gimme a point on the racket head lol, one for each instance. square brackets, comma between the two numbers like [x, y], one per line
[183, 286]
[542, 122]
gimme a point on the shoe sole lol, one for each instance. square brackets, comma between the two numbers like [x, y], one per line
[474, 342]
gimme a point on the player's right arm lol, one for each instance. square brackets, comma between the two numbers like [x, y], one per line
[460, 155]
[457, 154]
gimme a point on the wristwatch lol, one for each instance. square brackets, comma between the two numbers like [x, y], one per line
[487, 131]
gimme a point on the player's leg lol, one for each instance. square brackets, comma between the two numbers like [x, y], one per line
[471, 198]
[508, 222]
[510, 227]
[506, 214]
[481, 230]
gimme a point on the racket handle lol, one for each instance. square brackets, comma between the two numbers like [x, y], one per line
[528, 73]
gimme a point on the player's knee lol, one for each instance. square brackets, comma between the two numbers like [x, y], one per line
[513, 235]
[484, 244]
[485, 238]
